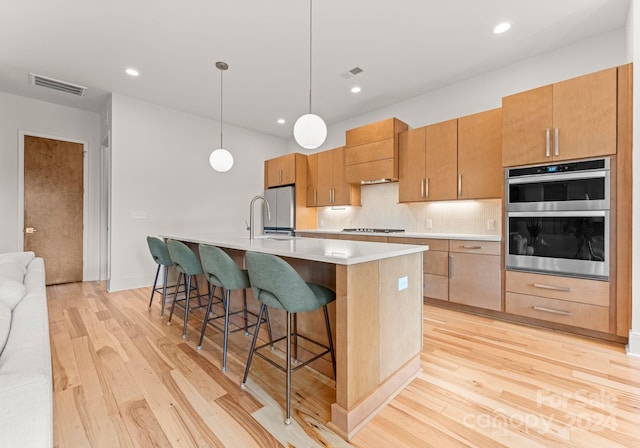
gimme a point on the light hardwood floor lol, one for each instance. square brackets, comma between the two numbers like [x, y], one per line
[124, 378]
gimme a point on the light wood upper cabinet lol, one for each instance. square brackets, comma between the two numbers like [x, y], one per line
[441, 150]
[567, 120]
[480, 155]
[280, 171]
[329, 186]
[428, 163]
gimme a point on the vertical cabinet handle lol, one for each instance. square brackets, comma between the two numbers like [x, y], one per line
[315, 197]
[426, 187]
[459, 185]
[556, 142]
[450, 266]
[548, 142]
[422, 188]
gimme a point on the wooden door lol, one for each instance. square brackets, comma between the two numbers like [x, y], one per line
[480, 155]
[325, 169]
[441, 161]
[312, 180]
[475, 280]
[585, 115]
[53, 206]
[526, 117]
[412, 165]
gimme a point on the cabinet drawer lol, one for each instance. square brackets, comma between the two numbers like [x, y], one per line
[580, 290]
[436, 287]
[433, 243]
[370, 238]
[384, 149]
[311, 235]
[436, 262]
[559, 311]
[374, 132]
[475, 247]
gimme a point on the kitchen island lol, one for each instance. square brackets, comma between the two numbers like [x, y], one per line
[377, 316]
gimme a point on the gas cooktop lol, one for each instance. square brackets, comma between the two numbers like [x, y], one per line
[372, 230]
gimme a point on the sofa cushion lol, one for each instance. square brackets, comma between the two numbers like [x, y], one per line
[13, 270]
[5, 324]
[11, 291]
[24, 258]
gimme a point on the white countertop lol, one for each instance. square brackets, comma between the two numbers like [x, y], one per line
[316, 249]
[445, 236]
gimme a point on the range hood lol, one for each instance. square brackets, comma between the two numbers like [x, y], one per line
[371, 152]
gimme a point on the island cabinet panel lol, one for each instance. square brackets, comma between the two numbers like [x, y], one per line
[480, 155]
[572, 119]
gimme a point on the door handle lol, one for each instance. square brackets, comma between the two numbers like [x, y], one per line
[422, 188]
[548, 142]
[459, 185]
[551, 287]
[470, 247]
[315, 197]
[426, 187]
[30, 230]
[551, 310]
[556, 142]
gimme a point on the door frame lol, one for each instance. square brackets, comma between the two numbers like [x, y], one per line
[85, 148]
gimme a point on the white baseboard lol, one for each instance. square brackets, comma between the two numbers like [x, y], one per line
[633, 347]
[121, 284]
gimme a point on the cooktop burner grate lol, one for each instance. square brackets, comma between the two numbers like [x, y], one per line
[372, 230]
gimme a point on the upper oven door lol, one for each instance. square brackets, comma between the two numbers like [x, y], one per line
[588, 190]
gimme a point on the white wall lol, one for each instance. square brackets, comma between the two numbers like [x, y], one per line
[160, 168]
[41, 118]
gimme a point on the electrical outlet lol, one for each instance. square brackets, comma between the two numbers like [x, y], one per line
[403, 283]
[139, 214]
[428, 224]
[491, 224]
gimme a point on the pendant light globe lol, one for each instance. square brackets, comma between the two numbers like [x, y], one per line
[221, 160]
[310, 131]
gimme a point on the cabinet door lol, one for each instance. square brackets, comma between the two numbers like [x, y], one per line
[480, 155]
[584, 115]
[475, 280]
[526, 118]
[281, 171]
[325, 169]
[411, 167]
[312, 180]
[343, 193]
[441, 161]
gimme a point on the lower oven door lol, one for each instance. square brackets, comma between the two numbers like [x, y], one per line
[573, 243]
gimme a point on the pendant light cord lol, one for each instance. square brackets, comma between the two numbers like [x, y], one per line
[221, 98]
[310, 49]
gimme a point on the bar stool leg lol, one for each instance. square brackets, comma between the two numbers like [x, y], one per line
[175, 298]
[153, 290]
[206, 316]
[165, 273]
[287, 420]
[244, 309]
[295, 338]
[186, 307]
[263, 307]
[227, 295]
[268, 327]
[333, 354]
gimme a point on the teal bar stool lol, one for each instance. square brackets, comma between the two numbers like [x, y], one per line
[160, 254]
[276, 284]
[221, 271]
[188, 266]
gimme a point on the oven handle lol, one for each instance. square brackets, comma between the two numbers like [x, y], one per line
[547, 214]
[538, 178]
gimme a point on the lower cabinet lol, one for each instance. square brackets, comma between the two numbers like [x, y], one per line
[565, 300]
[475, 274]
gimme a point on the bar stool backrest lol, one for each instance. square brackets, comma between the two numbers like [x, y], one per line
[159, 251]
[220, 268]
[185, 260]
[277, 284]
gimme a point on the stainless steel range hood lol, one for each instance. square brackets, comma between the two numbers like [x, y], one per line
[376, 181]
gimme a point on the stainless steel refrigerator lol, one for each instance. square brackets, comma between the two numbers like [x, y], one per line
[282, 203]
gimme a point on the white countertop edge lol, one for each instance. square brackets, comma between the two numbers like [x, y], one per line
[341, 252]
[444, 236]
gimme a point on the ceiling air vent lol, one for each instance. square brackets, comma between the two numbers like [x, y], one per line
[56, 84]
[353, 72]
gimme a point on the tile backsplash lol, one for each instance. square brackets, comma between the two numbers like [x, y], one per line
[380, 209]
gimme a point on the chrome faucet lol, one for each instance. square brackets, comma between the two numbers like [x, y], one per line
[251, 223]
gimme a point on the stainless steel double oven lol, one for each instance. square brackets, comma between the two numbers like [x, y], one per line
[557, 218]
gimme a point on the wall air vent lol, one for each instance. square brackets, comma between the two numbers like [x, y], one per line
[56, 84]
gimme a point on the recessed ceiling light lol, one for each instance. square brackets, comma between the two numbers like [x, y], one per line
[356, 89]
[281, 121]
[501, 28]
[132, 72]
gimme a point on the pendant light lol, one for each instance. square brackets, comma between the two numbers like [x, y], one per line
[310, 131]
[221, 159]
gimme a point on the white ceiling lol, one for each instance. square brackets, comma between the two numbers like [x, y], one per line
[405, 47]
